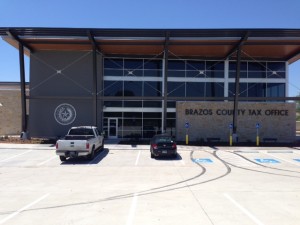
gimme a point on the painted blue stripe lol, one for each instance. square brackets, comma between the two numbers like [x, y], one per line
[267, 161]
[202, 161]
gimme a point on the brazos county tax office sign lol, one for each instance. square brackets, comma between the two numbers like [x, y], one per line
[212, 120]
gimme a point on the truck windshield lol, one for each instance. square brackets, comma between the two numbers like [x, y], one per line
[81, 131]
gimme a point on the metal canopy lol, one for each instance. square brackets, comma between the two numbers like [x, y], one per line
[264, 44]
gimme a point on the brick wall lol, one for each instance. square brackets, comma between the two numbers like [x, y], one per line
[10, 112]
[212, 119]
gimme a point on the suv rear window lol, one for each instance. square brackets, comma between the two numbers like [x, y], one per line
[163, 140]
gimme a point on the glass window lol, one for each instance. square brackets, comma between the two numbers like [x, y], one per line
[150, 124]
[133, 63]
[195, 65]
[243, 70]
[196, 73]
[136, 124]
[171, 115]
[152, 88]
[113, 72]
[153, 64]
[257, 66]
[232, 66]
[132, 88]
[154, 104]
[132, 115]
[176, 89]
[132, 103]
[256, 74]
[152, 73]
[276, 66]
[152, 115]
[195, 89]
[133, 73]
[214, 73]
[151, 127]
[113, 103]
[113, 63]
[276, 90]
[242, 92]
[215, 65]
[256, 89]
[171, 104]
[113, 88]
[243, 74]
[214, 89]
[176, 73]
[275, 74]
[112, 114]
[214, 69]
[176, 65]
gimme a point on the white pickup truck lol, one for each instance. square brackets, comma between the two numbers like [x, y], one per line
[80, 141]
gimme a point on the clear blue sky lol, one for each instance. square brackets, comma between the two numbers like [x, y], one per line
[145, 14]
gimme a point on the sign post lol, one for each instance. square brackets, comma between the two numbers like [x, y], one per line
[257, 133]
[187, 126]
[230, 134]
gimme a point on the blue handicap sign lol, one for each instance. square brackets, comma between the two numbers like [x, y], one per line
[187, 125]
[202, 161]
[298, 160]
[257, 125]
[267, 161]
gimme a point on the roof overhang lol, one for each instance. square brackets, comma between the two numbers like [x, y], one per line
[259, 44]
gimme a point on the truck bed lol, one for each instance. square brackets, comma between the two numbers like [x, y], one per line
[78, 137]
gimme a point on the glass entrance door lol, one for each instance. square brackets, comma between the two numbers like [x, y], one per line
[112, 128]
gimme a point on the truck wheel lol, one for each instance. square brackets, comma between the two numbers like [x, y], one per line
[92, 155]
[62, 158]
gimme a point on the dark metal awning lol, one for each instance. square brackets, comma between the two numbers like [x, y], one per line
[260, 44]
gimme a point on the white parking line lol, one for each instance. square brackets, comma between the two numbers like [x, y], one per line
[23, 209]
[137, 158]
[132, 210]
[253, 218]
[47, 160]
[3, 160]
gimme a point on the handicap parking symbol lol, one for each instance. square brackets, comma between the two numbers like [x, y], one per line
[267, 161]
[202, 161]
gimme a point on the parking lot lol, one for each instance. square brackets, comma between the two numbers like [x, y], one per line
[123, 185]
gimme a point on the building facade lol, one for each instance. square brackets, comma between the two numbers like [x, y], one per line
[132, 83]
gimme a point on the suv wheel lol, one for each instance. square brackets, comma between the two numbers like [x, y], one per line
[152, 155]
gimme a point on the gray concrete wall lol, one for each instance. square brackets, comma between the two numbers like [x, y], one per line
[212, 119]
[62, 79]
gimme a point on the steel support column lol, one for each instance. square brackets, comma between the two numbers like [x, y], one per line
[95, 110]
[100, 87]
[165, 92]
[236, 95]
[23, 87]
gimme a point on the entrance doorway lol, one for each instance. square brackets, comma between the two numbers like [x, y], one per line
[112, 128]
